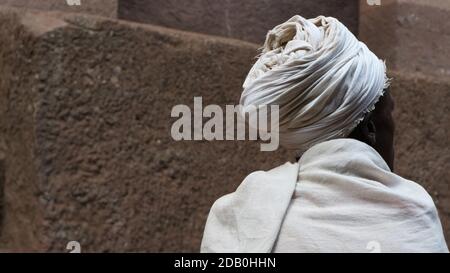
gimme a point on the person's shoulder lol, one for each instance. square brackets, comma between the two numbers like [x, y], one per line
[281, 175]
[418, 199]
[282, 170]
[287, 172]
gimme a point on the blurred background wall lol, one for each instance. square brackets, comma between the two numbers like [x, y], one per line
[106, 8]
[247, 20]
[413, 36]
[85, 102]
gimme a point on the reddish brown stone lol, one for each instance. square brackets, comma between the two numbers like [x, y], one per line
[106, 8]
[2, 186]
[413, 36]
[247, 20]
[85, 133]
[86, 122]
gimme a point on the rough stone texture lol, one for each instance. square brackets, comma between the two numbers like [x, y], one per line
[106, 8]
[2, 183]
[85, 127]
[87, 132]
[247, 20]
[423, 136]
[413, 36]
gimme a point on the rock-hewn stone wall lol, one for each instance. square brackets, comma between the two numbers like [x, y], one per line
[85, 124]
[423, 135]
[413, 36]
[248, 20]
[106, 8]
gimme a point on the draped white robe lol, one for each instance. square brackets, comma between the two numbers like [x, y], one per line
[340, 197]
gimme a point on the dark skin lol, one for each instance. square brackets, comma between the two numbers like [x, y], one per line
[377, 129]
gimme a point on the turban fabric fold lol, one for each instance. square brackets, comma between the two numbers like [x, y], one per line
[322, 78]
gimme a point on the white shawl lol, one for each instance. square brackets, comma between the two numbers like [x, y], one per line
[340, 197]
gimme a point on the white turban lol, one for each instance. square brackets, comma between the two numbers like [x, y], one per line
[323, 79]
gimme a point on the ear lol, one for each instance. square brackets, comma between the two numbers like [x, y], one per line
[369, 130]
